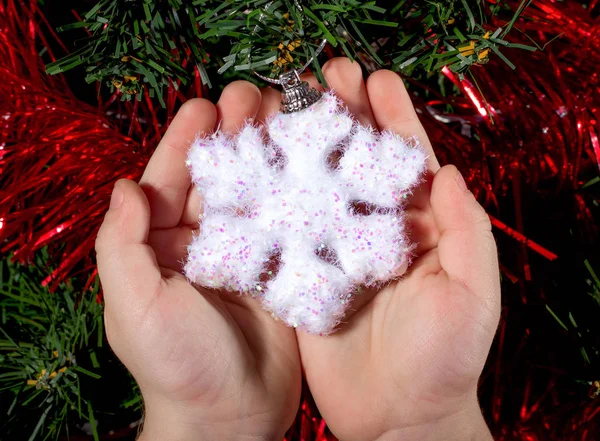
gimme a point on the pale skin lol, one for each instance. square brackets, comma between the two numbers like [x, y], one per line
[215, 366]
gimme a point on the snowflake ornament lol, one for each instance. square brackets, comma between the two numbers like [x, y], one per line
[275, 195]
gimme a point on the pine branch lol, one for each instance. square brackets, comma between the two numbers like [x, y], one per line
[149, 44]
[44, 340]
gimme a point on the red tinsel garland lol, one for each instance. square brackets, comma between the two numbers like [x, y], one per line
[537, 125]
[59, 157]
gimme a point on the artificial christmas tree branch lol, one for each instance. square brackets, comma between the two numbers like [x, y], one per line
[158, 43]
[45, 342]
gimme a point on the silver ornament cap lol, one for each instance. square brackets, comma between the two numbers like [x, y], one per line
[297, 94]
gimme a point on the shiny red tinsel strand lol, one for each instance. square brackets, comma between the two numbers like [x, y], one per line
[535, 126]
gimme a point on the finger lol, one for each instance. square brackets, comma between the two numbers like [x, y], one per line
[270, 104]
[312, 81]
[422, 226]
[467, 249]
[421, 195]
[127, 266]
[394, 111]
[193, 208]
[422, 230]
[239, 102]
[166, 179]
[170, 246]
[346, 79]
[426, 264]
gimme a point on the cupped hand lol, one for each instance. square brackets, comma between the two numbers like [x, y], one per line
[405, 365]
[210, 365]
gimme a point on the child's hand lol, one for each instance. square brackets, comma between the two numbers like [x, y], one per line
[405, 366]
[210, 366]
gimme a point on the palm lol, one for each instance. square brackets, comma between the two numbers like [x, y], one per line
[411, 354]
[201, 349]
[220, 357]
[416, 350]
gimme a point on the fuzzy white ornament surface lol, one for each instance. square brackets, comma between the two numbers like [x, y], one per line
[274, 192]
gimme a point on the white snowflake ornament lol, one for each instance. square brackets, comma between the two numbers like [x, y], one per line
[274, 195]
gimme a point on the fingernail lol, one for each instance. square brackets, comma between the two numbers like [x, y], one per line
[460, 181]
[116, 198]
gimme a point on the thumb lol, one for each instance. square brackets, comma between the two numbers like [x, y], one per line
[467, 249]
[126, 264]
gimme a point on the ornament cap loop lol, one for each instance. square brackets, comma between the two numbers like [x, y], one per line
[297, 94]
